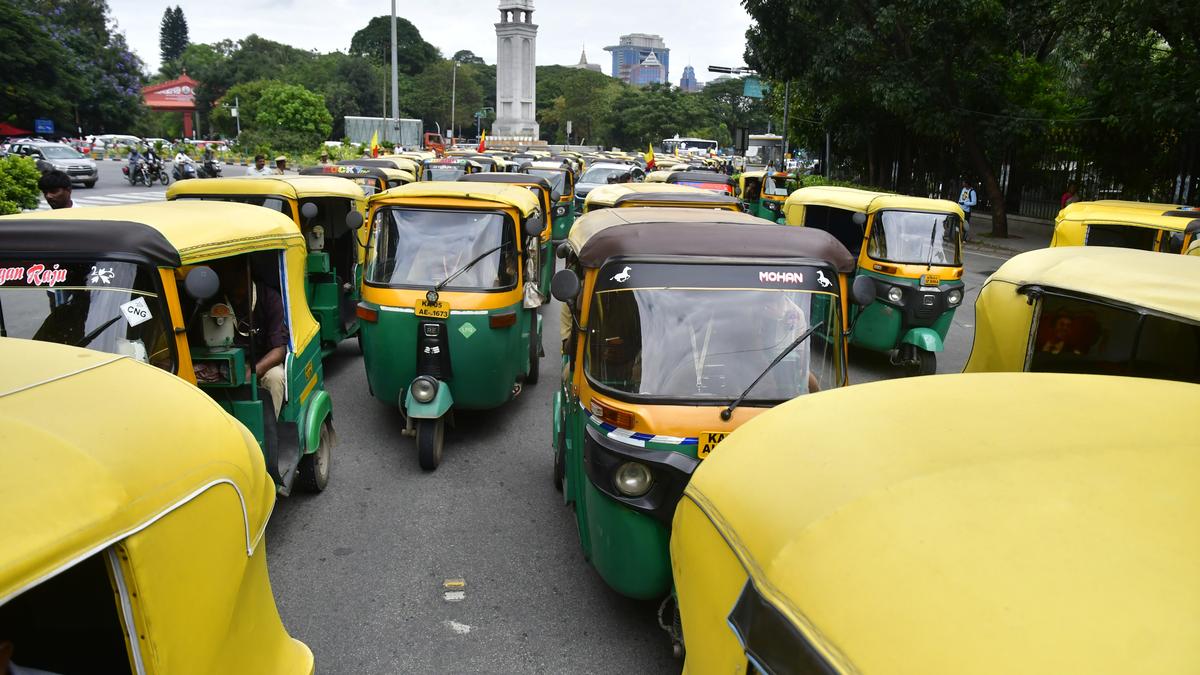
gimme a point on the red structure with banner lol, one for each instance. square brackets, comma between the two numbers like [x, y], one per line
[178, 95]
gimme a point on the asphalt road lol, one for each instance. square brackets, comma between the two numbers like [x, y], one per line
[358, 571]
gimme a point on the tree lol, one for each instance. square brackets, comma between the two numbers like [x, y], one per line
[292, 117]
[38, 80]
[18, 184]
[413, 54]
[468, 56]
[429, 97]
[172, 34]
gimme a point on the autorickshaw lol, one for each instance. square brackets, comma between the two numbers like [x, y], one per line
[1126, 225]
[626, 195]
[328, 210]
[211, 291]
[449, 302]
[1063, 540]
[542, 191]
[657, 176]
[1102, 310]
[447, 169]
[133, 534]
[678, 326]
[394, 171]
[562, 188]
[911, 249]
[369, 179]
[763, 193]
[705, 180]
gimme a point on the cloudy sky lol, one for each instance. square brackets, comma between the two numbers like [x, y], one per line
[700, 32]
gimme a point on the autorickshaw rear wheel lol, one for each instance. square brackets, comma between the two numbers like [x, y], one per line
[534, 344]
[314, 467]
[431, 435]
[560, 451]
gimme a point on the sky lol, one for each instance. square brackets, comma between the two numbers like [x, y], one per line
[698, 32]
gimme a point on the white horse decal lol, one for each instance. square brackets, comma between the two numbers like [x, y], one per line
[622, 276]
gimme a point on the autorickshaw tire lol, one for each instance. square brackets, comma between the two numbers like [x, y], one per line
[560, 451]
[534, 343]
[926, 362]
[431, 435]
[314, 467]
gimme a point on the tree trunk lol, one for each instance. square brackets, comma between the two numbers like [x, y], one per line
[871, 162]
[983, 169]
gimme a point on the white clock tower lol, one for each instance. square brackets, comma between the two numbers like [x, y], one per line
[516, 74]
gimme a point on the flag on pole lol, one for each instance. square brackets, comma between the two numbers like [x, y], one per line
[375, 144]
[483, 142]
[650, 165]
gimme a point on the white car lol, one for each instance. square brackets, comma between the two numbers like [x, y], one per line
[111, 141]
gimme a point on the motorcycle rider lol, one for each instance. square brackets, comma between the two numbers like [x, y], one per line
[182, 162]
[210, 168]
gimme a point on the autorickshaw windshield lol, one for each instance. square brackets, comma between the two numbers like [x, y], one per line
[104, 305]
[698, 339]
[422, 248]
[274, 203]
[914, 237]
[557, 180]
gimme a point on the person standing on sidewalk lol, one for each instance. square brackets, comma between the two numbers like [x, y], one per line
[967, 199]
[1070, 196]
[56, 189]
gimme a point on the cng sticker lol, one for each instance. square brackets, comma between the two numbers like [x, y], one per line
[467, 330]
[708, 441]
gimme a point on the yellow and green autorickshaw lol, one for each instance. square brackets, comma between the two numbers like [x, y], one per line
[1102, 310]
[1062, 540]
[370, 179]
[211, 291]
[1146, 227]
[705, 180]
[447, 169]
[763, 193]
[328, 210]
[541, 189]
[562, 189]
[134, 513]
[626, 195]
[678, 326]
[911, 249]
[449, 301]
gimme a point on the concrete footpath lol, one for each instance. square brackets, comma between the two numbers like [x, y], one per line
[1024, 234]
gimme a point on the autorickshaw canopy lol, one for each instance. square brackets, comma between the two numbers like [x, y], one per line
[693, 176]
[1081, 214]
[497, 193]
[1063, 540]
[861, 201]
[318, 184]
[607, 233]
[503, 177]
[96, 446]
[617, 194]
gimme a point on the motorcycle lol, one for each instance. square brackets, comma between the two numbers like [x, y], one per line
[210, 169]
[184, 170]
[158, 172]
[139, 174]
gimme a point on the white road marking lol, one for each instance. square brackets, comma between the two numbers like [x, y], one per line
[454, 596]
[460, 628]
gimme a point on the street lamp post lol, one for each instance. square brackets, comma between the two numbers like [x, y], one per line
[395, 72]
[453, 101]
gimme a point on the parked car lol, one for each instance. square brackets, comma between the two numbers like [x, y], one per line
[62, 157]
[112, 141]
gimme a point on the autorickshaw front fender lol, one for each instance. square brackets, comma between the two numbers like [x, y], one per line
[319, 410]
[923, 338]
[440, 405]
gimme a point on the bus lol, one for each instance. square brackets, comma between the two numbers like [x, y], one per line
[765, 150]
[689, 146]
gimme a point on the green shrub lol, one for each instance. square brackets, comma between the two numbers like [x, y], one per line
[18, 184]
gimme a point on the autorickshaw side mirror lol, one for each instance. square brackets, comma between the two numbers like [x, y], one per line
[354, 220]
[308, 211]
[563, 250]
[565, 286]
[862, 291]
[201, 283]
[534, 225]
[859, 219]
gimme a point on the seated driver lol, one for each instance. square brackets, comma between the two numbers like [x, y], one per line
[270, 340]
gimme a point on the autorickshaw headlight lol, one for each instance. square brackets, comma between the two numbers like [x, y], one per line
[895, 294]
[633, 479]
[424, 389]
[954, 297]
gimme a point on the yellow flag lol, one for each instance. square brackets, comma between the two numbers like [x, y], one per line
[483, 142]
[375, 144]
[650, 156]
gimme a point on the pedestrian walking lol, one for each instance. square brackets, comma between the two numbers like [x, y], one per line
[260, 167]
[56, 188]
[967, 198]
[280, 165]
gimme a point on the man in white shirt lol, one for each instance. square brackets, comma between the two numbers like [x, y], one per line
[260, 167]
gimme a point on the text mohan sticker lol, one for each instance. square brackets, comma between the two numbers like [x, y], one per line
[709, 440]
[136, 312]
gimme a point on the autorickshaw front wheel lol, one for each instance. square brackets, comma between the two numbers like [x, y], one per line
[314, 467]
[431, 435]
[534, 349]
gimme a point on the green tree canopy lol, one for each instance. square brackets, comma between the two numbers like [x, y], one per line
[172, 34]
[467, 56]
[291, 117]
[413, 54]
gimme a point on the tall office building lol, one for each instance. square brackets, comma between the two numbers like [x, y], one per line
[631, 52]
[688, 82]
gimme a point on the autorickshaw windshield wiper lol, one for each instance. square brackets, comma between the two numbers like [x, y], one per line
[932, 250]
[87, 339]
[466, 267]
[728, 411]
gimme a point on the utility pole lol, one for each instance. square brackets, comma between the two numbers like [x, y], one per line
[453, 99]
[787, 106]
[395, 72]
[237, 115]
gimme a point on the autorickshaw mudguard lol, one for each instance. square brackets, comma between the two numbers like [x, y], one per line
[923, 338]
[319, 410]
[440, 405]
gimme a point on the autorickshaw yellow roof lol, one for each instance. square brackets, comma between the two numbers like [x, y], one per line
[509, 195]
[1061, 538]
[862, 201]
[97, 446]
[1129, 213]
[198, 230]
[1139, 278]
[290, 187]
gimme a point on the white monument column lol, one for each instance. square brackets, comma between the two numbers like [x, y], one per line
[516, 73]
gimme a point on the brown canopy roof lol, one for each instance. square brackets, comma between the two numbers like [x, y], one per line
[603, 234]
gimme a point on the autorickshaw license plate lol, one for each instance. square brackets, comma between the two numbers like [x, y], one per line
[930, 280]
[433, 310]
[709, 440]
